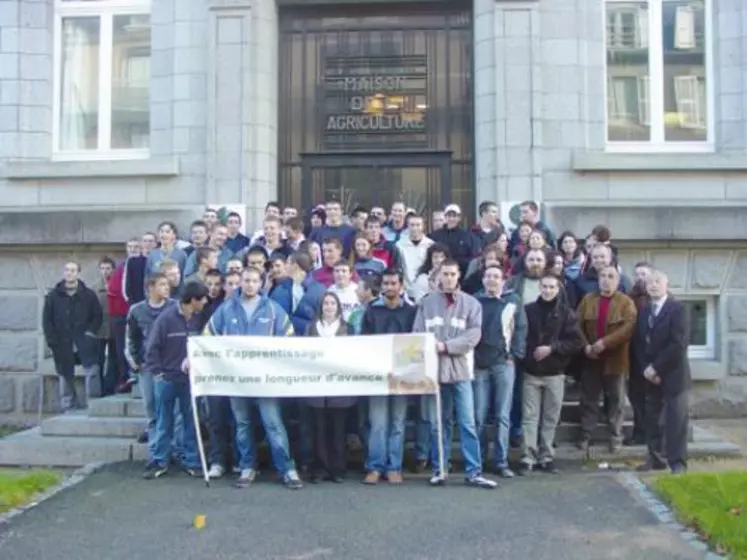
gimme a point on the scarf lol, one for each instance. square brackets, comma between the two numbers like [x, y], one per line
[328, 330]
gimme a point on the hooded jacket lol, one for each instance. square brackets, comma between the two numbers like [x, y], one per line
[504, 330]
[268, 319]
[456, 323]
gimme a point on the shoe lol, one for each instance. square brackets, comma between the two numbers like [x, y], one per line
[372, 478]
[292, 481]
[337, 478]
[194, 472]
[678, 469]
[419, 466]
[479, 481]
[315, 478]
[615, 447]
[246, 477]
[143, 438]
[153, 471]
[548, 468]
[516, 441]
[504, 472]
[216, 471]
[525, 469]
[394, 478]
[648, 466]
[437, 480]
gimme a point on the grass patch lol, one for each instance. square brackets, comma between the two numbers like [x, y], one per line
[7, 430]
[714, 504]
[18, 487]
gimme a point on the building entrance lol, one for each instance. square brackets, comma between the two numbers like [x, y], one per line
[376, 105]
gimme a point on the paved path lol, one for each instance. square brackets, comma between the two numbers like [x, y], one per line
[115, 515]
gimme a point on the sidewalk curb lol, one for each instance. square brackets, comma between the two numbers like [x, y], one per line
[76, 478]
[666, 516]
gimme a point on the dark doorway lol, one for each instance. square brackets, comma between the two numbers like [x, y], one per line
[376, 105]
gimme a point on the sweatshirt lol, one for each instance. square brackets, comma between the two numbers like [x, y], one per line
[166, 346]
[140, 321]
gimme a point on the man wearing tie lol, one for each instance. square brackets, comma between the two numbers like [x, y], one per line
[662, 339]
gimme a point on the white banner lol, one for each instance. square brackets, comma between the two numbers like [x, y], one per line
[263, 366]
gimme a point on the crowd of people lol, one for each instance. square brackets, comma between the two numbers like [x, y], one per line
[516, 314]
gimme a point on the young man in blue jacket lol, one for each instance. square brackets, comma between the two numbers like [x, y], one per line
[166, 359]
[504, 329]
[249, 312]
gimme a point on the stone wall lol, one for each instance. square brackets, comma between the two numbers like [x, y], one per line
[25, 278]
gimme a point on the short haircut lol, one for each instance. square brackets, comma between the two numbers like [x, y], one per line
[612, 267]
[344, 263]
[230, 274]
[371, 284]
[272, 204]
[357, 211]
[107, 260]
[155, 277]
[601, 233]
[643, 264]
[234, 215]
[171, 225]
[494, 267]
[192, 291]
[295, 223]
[278, 256]
[450, 262]
[133, 240]
[416, 216]
[601, 247]
[213, 272]
[658, 275]
[492, 248]
[551, 275]
[202, 254]
[404, 206]
[372, 220]
[199, 223]
[532, 205]
[153, 235]
[167, 264]
[76, 263]
[210, 209]
[256, 250]
[303, 260]
[333, 203]
[393, 272]
[235, 258]
[271, 219]
[485, 206]
[253, 270]
[333, 241]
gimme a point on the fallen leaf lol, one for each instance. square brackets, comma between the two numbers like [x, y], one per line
[736, 511]
[199, 521]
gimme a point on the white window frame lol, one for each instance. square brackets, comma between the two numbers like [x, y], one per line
[658, 143]
[697, 351]
[105, 10]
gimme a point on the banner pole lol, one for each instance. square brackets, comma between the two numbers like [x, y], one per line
[444, 467]
[198, 433]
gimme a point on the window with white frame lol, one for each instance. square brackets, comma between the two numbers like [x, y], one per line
[102, 78]
[662, 46]
[701, 312]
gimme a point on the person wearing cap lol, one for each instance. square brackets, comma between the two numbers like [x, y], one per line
[462, 244]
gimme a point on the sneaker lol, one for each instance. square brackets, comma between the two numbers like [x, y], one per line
[525, 469]
[372, 478]
[394, 477]
[548, 468]
[479, 481]
[437, 480]
[194, 472]
[143, 438]
[291, 480]
[504, 472]
[246, 477]
[216, 471]
[153, 471]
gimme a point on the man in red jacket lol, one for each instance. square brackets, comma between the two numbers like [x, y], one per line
[118, 308]
[382, 249]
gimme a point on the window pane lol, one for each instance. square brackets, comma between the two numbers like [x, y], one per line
[130, 82]
[79, 91]
[628, 117]
[698, 312]
[683, 34]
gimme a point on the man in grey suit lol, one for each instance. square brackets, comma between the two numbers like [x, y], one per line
[662, 338]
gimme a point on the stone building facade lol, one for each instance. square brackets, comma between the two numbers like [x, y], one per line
[522, 104]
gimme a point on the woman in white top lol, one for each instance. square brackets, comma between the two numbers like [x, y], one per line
[329, 414]
[426, 280]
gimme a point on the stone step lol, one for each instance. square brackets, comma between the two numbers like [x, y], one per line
[82, 425]
[31, 448]
[117, 405]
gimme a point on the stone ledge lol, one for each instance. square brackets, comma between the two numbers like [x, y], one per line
[651, 223]
[30, 170]
[97, 225]
[586, 161]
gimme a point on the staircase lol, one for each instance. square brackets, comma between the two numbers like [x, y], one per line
[107, 432]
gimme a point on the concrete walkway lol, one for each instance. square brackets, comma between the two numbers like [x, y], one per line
[118, 516]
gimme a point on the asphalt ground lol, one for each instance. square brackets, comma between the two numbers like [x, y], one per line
[116, 515]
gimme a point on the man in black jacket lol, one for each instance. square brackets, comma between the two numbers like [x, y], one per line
[553, 337]
[462, 244]
[663, 337]
[71, 318]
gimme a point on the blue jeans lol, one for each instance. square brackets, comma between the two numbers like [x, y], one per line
[277, 437]
[498, 382]
[516, 404]
[145, 385]
[422, 431]
[221, 428]
[386, 439]
[169, 394]
[457, 396]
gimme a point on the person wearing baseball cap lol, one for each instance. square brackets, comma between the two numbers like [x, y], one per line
[462, 244]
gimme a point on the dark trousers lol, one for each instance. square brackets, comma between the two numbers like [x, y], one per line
[329, 440]
[667, 421]
[594, 384]
[108, 366]
[118, 328]
[637, 397]
[515, 429]
[222, 428]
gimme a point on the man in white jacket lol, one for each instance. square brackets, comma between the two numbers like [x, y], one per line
[413, 249]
